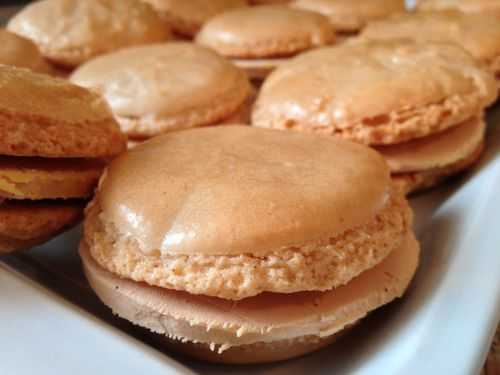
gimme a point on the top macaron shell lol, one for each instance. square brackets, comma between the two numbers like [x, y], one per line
[164, 87]
[21, 52]
[49, 117]
[348, 15]
[69, 32]
[267, 195]
[187, 17]
[265, 31]
[401, 90]
[478, 33]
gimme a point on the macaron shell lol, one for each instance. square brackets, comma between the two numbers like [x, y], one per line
[24, 224]
[45, 116]
[265, 31]
[264, 318]
[478, 33]
[187, 17]
[164, 87]
[224, 204]
[349, 15]
[402, 91]
[437, 150]
[43, 178]
[415, 182]
[69, 32]
[21, 52]
[258, 69]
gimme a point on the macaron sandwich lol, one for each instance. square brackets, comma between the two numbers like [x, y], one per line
[398, 96]
[236, 244]
[55, 139]
[260, 38]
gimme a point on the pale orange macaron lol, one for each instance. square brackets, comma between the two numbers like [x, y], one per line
[478, 33]
[349, 17]
[469, 6]
[249, 245]
[70, 32]
[383, 93]
[187, 17]
[166, 87]
[21, 52]
[258, 39]
[55, 140]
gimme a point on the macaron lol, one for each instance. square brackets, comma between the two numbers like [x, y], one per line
[70, 32]
[258, 244]
[349, 17]
[260, 38]
[166, 87]
[478, 33]
[21, 52]
[393, 99]
[55, 140]
[187, 17]
[472, 6]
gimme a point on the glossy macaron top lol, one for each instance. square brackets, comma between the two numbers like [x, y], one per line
[265, 31]
[236, 189]
[69, 32]
[462, 5]
[187, 17]
[478, 33]
[376, 91]
[21, 52]
[351, 15]
[165, 86]
[45, 116]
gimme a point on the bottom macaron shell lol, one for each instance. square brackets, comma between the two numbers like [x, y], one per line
[258, 69]
[24, 224]
[48, 178]
[267, 318]
[416, 182]
[260, 352]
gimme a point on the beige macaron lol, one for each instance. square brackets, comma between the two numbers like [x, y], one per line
[213, 218]
[478, 33]
[350, 16]
[470, 6]
[260, 38]
[21, 52]
[396, 94]
[165, 87]
[187, 17]
[55, 140]
[376, 92]
[70, 32]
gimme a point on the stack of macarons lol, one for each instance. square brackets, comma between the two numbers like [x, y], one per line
[70, 32]
[258, 39]
[55, 139]
[478, 33]
[237, 244]
[166, 87]
[420, 105]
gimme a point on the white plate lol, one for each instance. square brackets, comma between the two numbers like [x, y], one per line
[444, 325]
